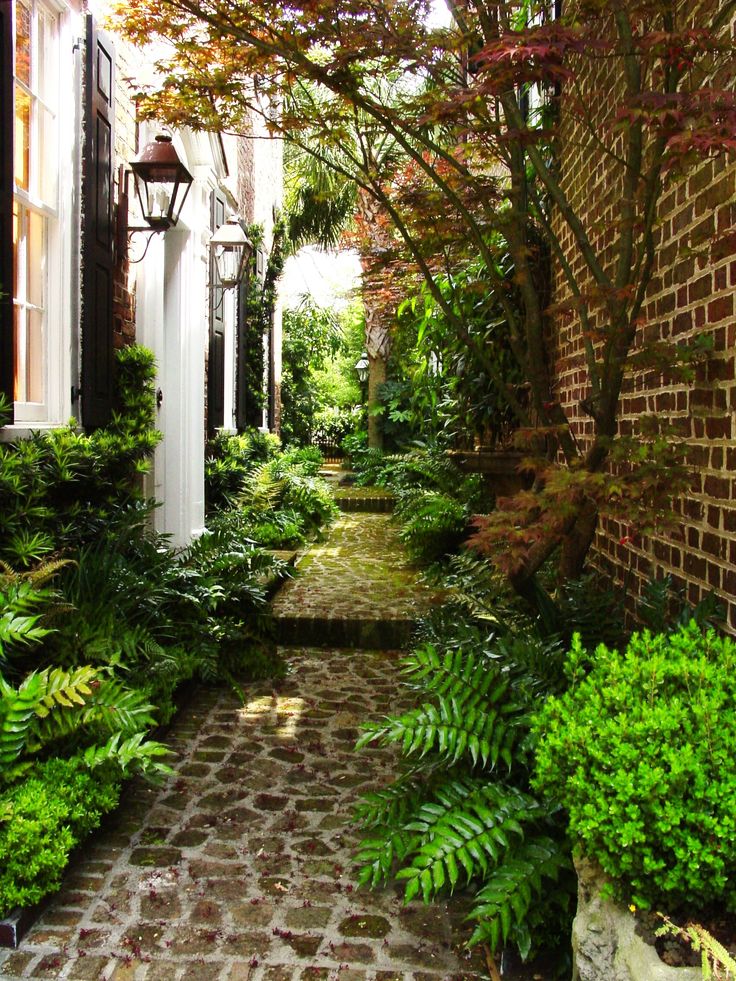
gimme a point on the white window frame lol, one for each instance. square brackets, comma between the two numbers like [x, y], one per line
[59, 270]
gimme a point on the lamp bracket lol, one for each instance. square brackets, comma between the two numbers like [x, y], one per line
[140, 230]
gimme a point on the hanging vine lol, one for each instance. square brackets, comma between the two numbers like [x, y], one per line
[256, 313]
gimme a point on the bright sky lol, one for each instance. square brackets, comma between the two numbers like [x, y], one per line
[329, 277]
[439, 15]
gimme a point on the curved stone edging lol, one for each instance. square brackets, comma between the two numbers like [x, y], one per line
[605, 944]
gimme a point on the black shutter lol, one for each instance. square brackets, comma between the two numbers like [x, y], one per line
[97, 231]
[216, 360]
[7, 356]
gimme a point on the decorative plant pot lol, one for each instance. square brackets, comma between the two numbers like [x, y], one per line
[605, 944]
[500, 469]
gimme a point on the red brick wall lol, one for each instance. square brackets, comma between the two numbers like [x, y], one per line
[692, 292]
[246, 178]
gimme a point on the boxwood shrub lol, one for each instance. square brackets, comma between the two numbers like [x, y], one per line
[42, 819]
[640, 751]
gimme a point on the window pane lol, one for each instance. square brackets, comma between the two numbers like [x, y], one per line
[46, 59]
[29, 355]
[19, 331]
[34, 357]
[23, 41]
[36, 259]
[22, 138]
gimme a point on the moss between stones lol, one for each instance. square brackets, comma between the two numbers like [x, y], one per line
[365, 926]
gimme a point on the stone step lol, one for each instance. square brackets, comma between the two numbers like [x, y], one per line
[373, 500]
[354, 589]
[348, 632]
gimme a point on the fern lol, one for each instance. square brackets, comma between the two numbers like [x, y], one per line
[379, 856]
[465, 676]
[392, 805]
[17, 708]
[454, 729]
[24, 597]
[55, 704]
[717, 963]
[505, 899]
[472, 832]
[455, 817]
[134, 753]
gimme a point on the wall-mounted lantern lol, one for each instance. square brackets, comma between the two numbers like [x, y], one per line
[363, 367]
[231, 249]
[162, 184]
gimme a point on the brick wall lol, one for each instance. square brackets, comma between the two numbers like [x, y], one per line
[246, 177]
[692, 292]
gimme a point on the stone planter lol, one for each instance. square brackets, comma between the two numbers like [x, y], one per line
[605, 944]
[499, 468]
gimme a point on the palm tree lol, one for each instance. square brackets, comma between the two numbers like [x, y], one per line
[328, 182]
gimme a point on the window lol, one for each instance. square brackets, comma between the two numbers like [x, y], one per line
[35, 201]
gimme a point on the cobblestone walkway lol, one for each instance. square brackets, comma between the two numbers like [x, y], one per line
[240, 866]
[359, 571]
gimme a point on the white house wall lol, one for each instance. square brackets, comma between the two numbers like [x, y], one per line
[169, 286]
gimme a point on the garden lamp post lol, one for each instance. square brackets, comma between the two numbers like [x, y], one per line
[362, 366]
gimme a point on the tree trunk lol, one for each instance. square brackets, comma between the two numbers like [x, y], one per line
[376, 377]
[378, 316]
[576, 544]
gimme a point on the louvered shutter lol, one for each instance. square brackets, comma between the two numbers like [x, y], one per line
[216, 360]
[97, 231]
[6, 200]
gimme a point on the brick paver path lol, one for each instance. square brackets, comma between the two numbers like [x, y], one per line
[240, 866]
[359, 571]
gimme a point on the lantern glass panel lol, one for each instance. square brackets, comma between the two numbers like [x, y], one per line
[229, 261]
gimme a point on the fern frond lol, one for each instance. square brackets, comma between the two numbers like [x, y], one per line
[37, 577]
[64, 688]
[17, 708]
[464, 676]
[20, 630]
[507, 895]
[119, 708]
[484, 733]
[391, 806]
[472, 834]
[40, 697]
[378, 856]
[132, 754]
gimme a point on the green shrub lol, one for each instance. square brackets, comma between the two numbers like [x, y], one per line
[42, 819]
[60, 487]
[309, 458]
[230, 459]
[165, 616]
[640, 752]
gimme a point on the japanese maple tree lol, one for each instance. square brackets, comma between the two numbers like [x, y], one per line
[486, 113]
